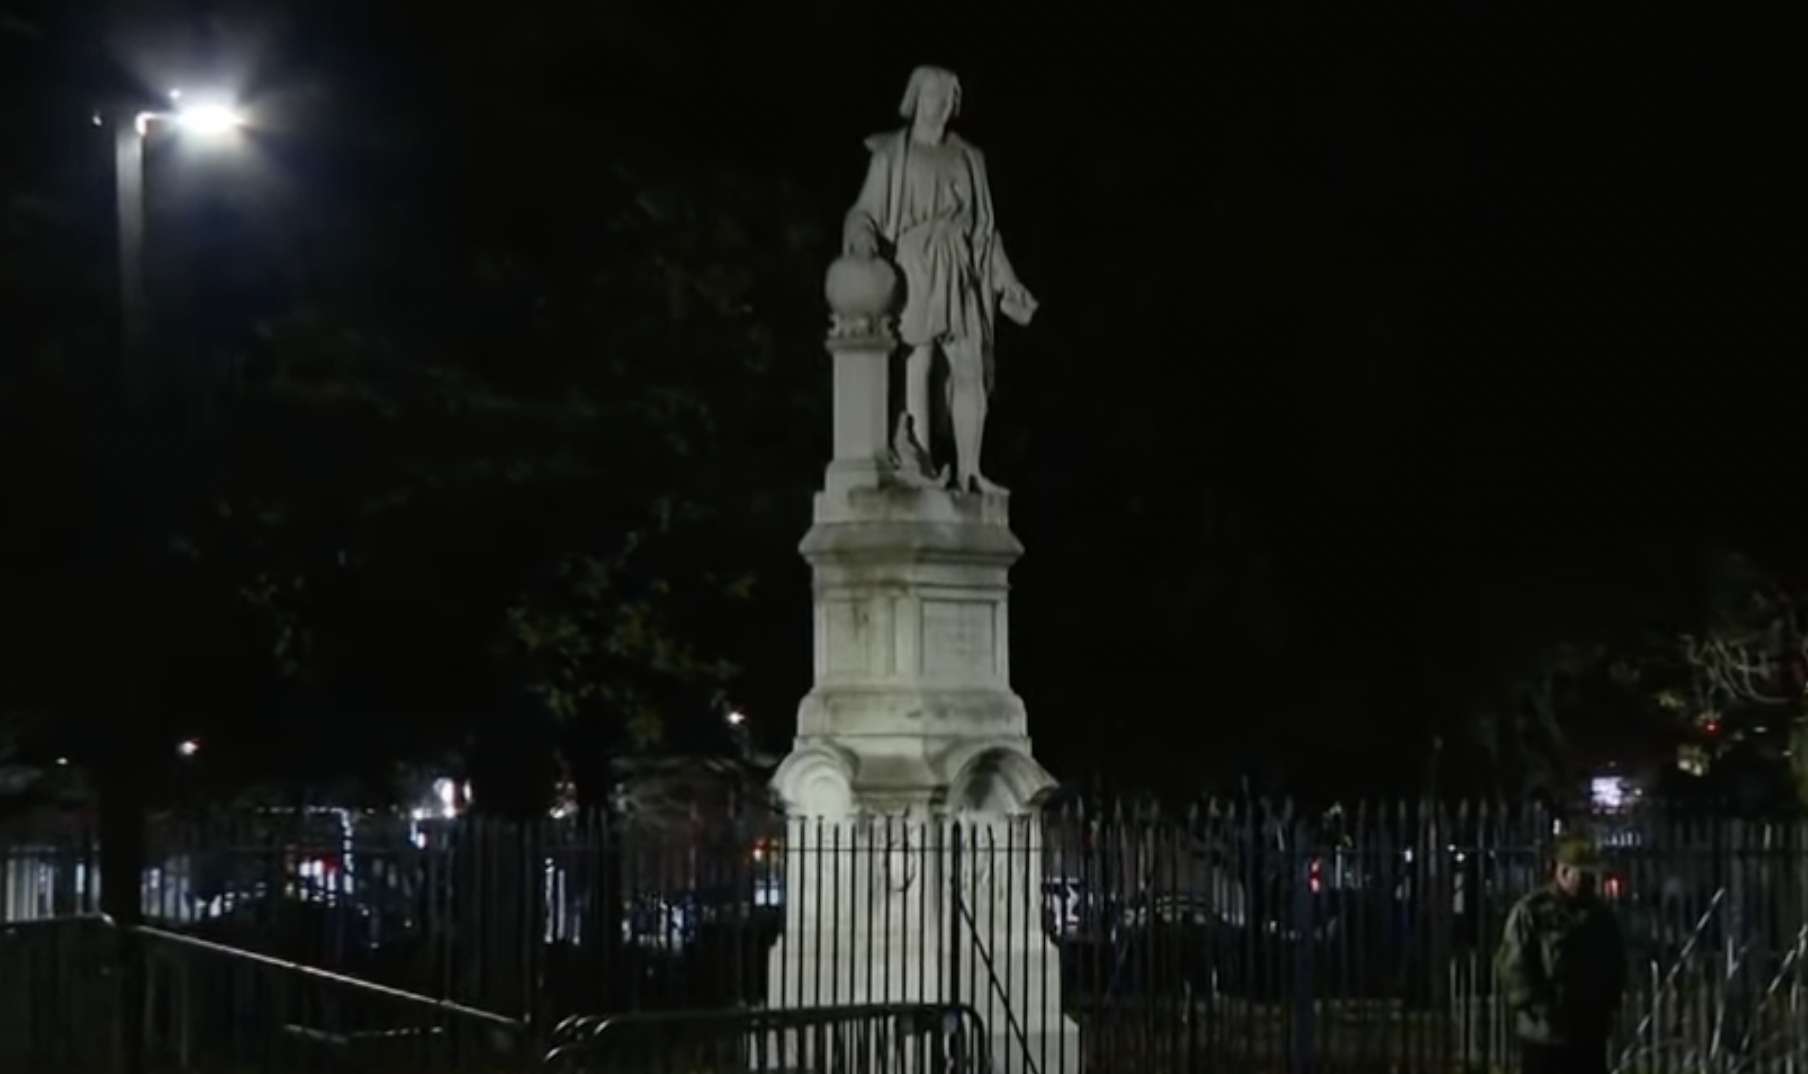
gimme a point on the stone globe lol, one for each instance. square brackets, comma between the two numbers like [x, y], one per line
[861, 287]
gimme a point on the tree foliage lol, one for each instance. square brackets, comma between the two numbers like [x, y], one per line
[539, 485]
[465, 460]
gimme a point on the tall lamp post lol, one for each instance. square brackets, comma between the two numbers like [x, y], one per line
[204, 120]
[121, 785]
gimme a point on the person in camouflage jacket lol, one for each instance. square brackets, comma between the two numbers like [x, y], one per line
[1562, 967]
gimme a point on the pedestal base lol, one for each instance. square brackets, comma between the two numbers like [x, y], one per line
[933, 911]
[913, 869]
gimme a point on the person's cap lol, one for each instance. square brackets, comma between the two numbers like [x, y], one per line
[1578, 853]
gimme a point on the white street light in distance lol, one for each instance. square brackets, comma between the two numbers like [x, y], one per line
[208, 118]
[736, 718]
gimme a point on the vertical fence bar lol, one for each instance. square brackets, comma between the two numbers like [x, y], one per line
[956, 993]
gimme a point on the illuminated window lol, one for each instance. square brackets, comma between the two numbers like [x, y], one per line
[1610, 792]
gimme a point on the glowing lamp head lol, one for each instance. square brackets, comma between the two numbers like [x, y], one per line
[209, 119]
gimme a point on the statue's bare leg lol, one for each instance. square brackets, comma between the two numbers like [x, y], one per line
[916, 391]
[967, 411]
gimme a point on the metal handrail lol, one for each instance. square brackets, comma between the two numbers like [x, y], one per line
[577, 1036]
[985, 953]
[352, 984]
[1669, 981]
[783, 1017]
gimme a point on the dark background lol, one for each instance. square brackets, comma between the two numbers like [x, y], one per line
[1381, 356]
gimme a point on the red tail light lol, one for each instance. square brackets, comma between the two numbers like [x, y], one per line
[1315, 875]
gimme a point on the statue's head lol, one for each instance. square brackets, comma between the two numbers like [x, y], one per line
[934, 95]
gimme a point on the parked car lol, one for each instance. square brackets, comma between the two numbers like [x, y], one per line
[1073, 912]
[673, 921]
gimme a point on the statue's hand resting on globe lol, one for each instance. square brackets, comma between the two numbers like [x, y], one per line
[927, 205]
[860, 240]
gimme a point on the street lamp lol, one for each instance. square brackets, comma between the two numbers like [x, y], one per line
[740, 733]
[121, 792]
[204, 119]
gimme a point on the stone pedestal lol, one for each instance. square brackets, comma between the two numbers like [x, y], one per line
[912, 661]
[914, 863]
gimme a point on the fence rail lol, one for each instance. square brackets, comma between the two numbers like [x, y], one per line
[1228, 937]
[892, 1038]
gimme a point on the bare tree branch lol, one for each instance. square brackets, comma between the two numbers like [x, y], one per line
[1750, 668]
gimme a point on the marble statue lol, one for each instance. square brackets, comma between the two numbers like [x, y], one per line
[926, 205]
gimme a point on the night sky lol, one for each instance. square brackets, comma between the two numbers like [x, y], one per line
[1376, 354]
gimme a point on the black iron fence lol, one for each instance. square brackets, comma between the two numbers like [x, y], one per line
[1229, 937]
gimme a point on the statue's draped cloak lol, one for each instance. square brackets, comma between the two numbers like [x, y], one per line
[932, 207]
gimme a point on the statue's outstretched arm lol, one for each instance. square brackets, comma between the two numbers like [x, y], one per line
[1004, 275]
[1001, 275]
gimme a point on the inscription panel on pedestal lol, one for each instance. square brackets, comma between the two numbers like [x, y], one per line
[959, 641]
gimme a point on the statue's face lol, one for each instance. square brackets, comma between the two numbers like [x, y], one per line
[935, 105]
